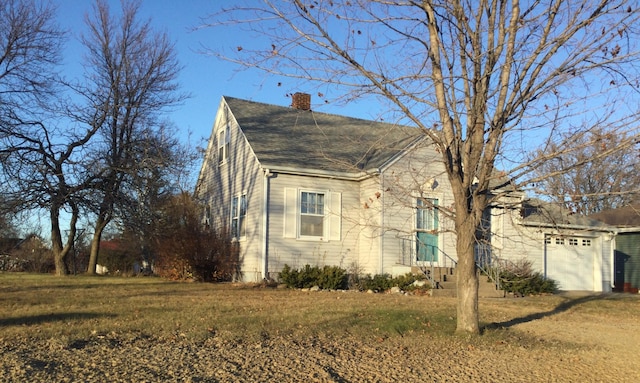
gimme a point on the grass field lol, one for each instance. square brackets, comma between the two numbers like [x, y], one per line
[77, 307]
[96, 329]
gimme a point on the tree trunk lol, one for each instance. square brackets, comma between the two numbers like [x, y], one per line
[101, 223]
[467, 285]
[59, 259]
[59, 251]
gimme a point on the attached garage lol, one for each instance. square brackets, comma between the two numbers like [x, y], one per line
[570, 261]
[574, 250]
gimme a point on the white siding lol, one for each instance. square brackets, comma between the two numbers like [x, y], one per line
[240, 174]
[518, 242]
[339, 248]
[370, 221]
[607, 263]
[419, 172]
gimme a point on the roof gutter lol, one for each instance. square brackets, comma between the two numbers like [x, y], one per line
[348, 176]
[570, 226]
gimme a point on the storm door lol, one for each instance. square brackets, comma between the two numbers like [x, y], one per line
[427, 230]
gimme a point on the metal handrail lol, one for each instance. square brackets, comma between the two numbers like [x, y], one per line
[486, 262]
[408, 257]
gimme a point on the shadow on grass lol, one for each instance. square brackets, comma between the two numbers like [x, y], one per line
[562, 307]
[49, 318]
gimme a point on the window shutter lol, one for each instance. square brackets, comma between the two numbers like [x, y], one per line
[335, 216]
[290, 212]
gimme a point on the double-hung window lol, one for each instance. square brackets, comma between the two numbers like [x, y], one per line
[238, 216]
[312, 214]
[224, 142]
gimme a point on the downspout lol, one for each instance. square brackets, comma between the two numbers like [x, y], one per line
[381, 255]
[265, 224]
[612, 260]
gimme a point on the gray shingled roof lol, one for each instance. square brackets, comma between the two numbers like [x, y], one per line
[627, 216]
[535, 211]
[284, 137]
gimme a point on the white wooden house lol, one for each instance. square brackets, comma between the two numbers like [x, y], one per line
[298, 187]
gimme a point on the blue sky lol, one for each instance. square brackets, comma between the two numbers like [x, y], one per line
[206, 78]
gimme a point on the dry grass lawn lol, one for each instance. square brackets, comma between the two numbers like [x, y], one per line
[50, 327]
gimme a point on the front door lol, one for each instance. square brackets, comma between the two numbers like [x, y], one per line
[427, 230]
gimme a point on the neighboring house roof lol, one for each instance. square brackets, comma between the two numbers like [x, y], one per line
[536, 212]
[284, 137]
[111, 245]
[627, 216]
[9, 244]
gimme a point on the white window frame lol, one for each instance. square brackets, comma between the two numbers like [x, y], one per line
[312, 213]
[332, 215]
[239, 208]
[224, 144]
[207, 216]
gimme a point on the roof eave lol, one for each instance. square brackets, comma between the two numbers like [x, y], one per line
[322, 173]
[606, 229]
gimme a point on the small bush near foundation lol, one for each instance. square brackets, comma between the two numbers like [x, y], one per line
[520, 278]
[327, 277]
[377, 283]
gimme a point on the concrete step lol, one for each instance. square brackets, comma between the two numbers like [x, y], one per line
[446, 287]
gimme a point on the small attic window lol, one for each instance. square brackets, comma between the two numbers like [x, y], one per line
[224, 142]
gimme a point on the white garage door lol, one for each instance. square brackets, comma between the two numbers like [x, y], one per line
[569, 261]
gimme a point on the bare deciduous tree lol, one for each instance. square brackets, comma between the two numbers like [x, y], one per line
[484, 80]
[37, 158]
[601, 182]
[131, 81]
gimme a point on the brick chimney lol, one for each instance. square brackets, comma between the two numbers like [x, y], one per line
[301, 101]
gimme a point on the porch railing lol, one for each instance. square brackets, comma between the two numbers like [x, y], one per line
[488, 264]
[408, 257]
[485, 261]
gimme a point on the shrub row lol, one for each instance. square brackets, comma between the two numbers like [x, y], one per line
[335, 278]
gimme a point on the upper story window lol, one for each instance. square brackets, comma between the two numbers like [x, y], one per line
[238, 216]
[312, 214]
[207, 216]
[224, 142]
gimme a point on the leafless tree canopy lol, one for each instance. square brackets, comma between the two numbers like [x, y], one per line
[597, 183]
[72, 158]
[30, 46]
[488, 81]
